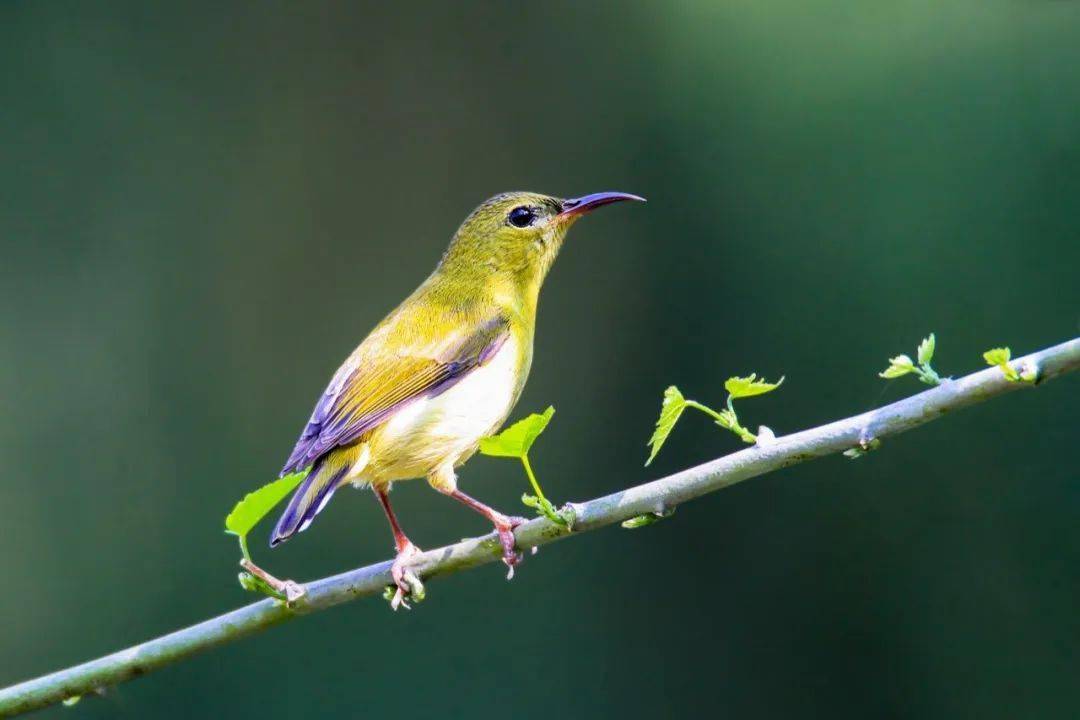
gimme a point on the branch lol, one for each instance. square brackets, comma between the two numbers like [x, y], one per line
[659, 496]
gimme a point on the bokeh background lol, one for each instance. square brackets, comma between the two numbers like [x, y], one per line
[205, 206]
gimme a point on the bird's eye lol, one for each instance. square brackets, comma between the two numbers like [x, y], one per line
[522, 216]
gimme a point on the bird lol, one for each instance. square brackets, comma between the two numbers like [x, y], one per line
[439, 373]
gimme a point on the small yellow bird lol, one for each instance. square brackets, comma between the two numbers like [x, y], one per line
[440, 372]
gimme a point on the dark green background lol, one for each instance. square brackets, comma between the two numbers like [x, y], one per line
[205, 206]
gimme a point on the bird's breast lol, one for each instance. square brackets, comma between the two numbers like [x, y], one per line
[432, 431]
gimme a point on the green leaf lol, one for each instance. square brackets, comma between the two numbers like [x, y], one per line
[744, 387]
[249, 582]
[926, 350]
[72, 701]
[727, 420]
[544, 507]
[255, 505]
[641, 521]
[670, 410]
[1000, 357]
[516, 440]
[899, 365]
[894, 371]
[257, 585]
[862, 448]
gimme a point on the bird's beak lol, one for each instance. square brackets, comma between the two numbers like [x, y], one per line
[576, 207]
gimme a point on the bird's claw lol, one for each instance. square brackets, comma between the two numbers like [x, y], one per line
[511, 557]
[410, 589]
[408, 586]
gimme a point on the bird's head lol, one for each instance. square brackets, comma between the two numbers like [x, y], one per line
[520, 233]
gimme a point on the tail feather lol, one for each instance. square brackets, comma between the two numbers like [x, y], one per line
[308, 501]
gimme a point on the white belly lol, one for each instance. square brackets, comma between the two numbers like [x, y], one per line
[429, 432]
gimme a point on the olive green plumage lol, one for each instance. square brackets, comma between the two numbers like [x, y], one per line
[442, 370]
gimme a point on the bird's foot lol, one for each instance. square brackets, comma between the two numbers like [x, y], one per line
[407, 585]
[504, 527]
[262, 581]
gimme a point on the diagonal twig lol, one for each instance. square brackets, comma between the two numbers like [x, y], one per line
[657, 497]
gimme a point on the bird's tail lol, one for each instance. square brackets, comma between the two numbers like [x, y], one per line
[308, 500]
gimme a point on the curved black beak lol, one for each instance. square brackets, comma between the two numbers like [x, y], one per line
[575, 207]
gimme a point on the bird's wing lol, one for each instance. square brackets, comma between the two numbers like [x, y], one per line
[370, 386]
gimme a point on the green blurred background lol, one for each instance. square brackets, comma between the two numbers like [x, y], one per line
[205, 206]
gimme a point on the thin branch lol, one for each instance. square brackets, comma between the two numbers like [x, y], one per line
[659, 496]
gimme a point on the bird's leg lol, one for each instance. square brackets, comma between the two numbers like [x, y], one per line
[408, 585]
[445, 481]
[504, 526]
